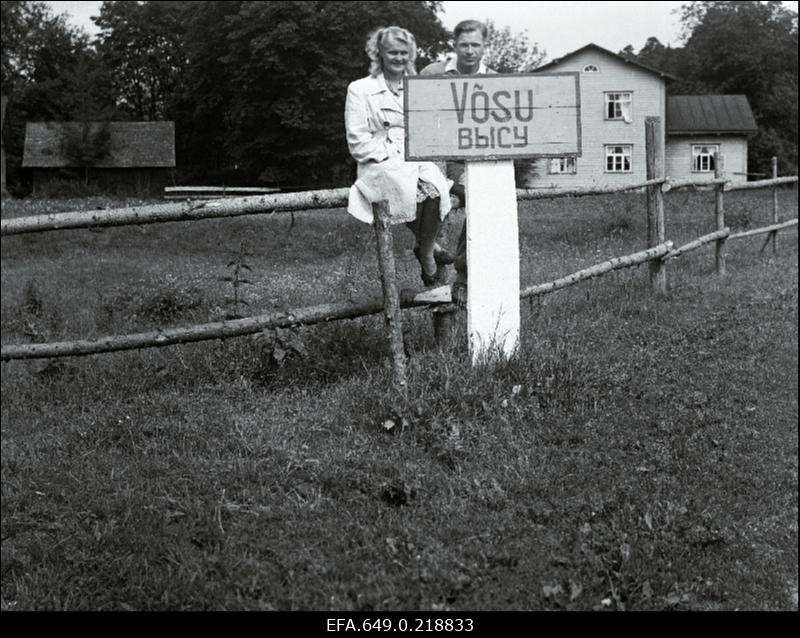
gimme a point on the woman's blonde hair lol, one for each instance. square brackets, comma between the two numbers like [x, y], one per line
[376, 42]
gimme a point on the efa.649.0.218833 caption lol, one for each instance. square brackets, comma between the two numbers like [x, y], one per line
[400, 624]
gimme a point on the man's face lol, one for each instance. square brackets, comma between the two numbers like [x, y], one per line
[469, 49]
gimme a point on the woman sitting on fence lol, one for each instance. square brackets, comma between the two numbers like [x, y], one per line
[417, 192]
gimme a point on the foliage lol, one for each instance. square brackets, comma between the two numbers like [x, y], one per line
[39, 55]
[37, 45]
[508, 52]
[279, 75]
[143, 43]
[85, 143]
[237, 280]
[748, 48]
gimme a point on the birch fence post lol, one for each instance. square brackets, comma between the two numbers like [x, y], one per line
[391, 297]
[775, 206]
[655, 201]
[719, 211]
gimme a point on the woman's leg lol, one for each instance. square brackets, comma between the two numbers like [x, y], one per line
[428, 223]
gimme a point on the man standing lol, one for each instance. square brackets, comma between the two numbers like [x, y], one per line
[470, 40]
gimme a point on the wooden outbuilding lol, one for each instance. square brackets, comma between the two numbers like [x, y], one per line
[698, 126]
[140, 158]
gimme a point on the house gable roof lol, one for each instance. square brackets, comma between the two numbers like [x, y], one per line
[550, 66]
[133, 145]
[696, 114]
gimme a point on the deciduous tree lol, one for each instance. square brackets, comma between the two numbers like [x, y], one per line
[144, 43]
[509, 52]
[277, 72]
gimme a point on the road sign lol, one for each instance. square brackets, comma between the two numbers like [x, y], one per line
[492, 117]
[490, 120]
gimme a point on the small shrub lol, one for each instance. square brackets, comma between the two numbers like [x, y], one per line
[237, 281]
[169, 305]
[32, 299]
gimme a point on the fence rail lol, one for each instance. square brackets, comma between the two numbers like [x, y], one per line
[698, 243]
[764, 229]
[657, 253]
[298, 316]
[282, 202]
[215, 192]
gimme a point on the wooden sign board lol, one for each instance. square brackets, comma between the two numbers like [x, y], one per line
[492, 117]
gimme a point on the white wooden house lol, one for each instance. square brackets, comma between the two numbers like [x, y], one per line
[617, 94]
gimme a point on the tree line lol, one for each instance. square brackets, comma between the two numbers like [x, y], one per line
[257, 89]
[747, 48]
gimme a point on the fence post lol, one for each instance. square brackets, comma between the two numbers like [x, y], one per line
[655, 200]
[443, 325]
[719, 210]
[391, 297]
[775, 219]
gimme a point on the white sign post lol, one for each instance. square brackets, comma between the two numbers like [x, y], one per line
[492, 260]
[490, 121]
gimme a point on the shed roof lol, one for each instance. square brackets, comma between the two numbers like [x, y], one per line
[550, 66]
[693, 114]
[133, 144]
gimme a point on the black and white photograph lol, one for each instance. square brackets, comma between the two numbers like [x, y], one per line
[419, 316]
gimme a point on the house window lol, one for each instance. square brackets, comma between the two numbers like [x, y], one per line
[619, 106]
[591, 68]
[703, 157]
[559, 165]
[618, 158]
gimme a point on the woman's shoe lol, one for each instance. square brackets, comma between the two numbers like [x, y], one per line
[438, 278]
[429, 280]
[442, 257]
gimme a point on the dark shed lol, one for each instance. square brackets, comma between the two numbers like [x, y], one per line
[140, 158]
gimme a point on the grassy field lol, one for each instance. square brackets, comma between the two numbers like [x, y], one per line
[641, 453]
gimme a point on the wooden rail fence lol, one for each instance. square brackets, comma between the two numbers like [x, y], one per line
[657, 253]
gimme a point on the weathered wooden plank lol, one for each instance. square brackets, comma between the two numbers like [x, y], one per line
[655, 201]
[492, 117]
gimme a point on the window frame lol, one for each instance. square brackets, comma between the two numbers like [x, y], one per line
[590, 68]
[607, 155]
[709, 156]
[564, 163]
[607, 101]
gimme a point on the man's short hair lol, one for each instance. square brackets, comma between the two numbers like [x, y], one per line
[467, 26]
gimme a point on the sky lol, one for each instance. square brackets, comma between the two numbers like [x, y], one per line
[557, 27]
